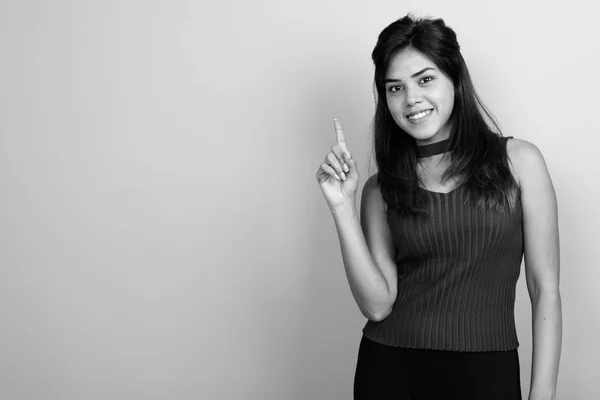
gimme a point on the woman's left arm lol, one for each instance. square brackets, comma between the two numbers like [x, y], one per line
[542, 266]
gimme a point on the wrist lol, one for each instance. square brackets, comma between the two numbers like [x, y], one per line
[344, 209]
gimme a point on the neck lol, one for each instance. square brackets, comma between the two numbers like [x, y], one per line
[432, 149]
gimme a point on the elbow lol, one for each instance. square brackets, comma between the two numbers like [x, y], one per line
[544, 293]
[380, 315]
[546, 300]
[381, 312]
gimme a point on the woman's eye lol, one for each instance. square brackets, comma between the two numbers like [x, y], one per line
[427, 79]
[395, 88]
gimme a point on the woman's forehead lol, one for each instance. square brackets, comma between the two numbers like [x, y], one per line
[408, 62]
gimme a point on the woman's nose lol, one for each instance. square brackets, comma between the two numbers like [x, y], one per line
[413, 96]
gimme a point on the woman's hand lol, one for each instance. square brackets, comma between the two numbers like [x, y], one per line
[338, 175]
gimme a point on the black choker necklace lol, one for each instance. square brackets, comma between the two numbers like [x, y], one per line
[432, 149]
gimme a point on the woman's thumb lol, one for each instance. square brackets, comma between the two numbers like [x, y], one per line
[351, 163]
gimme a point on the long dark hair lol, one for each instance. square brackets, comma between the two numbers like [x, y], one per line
[479, 157]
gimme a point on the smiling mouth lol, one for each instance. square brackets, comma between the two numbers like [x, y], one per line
[418, 116]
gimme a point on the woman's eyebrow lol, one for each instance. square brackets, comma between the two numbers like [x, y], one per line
[412, 76]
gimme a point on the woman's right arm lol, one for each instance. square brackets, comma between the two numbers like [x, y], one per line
[367, 249]
[368, 252]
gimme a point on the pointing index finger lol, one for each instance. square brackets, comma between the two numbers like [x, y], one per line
[340, 135]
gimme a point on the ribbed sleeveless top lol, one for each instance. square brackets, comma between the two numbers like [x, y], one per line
[457, 276]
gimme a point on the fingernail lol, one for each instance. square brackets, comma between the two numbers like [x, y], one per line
[346, 168]
[348, 154]
[337, 177]
[343, 176]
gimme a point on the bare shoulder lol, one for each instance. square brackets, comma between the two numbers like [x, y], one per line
[371, 187]
[372, 192]
[372, 181]
[524, 158]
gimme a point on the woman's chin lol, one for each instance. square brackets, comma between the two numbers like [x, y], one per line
[423, 136]
[427, 135]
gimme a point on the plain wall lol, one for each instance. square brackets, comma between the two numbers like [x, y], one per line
[162, 232]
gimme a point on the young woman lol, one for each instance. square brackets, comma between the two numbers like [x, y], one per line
[434, 260]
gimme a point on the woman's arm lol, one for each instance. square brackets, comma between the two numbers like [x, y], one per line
[542, 266]
[368, 252]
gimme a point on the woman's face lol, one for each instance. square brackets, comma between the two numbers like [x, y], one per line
[419, 96]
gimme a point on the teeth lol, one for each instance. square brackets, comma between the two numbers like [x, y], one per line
[420, 115]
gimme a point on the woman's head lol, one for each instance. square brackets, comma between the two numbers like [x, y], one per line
[403, 49]
[425, 95]
[419, 96]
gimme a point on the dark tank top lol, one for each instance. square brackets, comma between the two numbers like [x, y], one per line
[457, 276]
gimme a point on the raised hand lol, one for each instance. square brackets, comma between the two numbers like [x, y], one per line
[338, 175]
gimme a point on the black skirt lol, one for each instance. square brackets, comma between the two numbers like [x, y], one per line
[386, 372]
